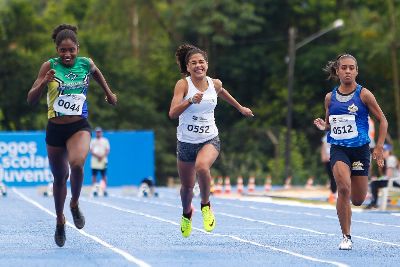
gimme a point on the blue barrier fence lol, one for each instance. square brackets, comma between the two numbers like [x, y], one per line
[24, 162]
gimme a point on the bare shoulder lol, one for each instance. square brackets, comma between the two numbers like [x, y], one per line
[217, 83]
[91, 62]
[328, 96]
[366, 95]
[181, 87]
[46, 66]
[365, 91]
[181, 83]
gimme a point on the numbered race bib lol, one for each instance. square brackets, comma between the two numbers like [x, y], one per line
[343, 126]
[69, 104]
[194, 130]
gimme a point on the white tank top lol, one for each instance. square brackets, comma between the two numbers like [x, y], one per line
[197, 122]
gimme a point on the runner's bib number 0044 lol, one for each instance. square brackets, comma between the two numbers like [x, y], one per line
[343, 126]
[69, 104]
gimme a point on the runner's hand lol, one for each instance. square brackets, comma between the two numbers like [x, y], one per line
[320, 124]
[49, 76]
[111, 99]
[377, 155]
[246, 112]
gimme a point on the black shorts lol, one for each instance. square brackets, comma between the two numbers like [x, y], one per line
[187, 152]
[102, 172]
[357, 158]
[58, 134]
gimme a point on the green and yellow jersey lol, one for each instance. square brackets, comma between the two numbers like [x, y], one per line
[66, 94]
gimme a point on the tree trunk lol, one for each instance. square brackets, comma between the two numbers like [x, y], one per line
[395, 72]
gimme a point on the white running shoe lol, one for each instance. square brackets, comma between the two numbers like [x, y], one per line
[346, 243]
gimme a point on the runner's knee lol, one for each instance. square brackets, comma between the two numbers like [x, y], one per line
[343, 191]
[60, 181]
[202, 169]
[357, 202]
[76, 167]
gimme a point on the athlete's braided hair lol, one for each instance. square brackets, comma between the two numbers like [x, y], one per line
[183, 53]
[65, 31]
[333, 65]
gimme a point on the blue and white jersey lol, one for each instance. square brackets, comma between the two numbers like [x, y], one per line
[348, 120]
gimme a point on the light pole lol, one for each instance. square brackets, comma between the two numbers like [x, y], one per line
[291, 59]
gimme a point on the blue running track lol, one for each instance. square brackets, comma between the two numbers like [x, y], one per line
[126, 230]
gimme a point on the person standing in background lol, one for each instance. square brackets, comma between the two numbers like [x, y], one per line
[326, 160]
[371, 134]
[99, 148]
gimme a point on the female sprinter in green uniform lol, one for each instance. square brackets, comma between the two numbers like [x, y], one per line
[68, 131]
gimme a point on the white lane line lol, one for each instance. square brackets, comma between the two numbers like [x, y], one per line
[273, 224]
[367, 222]
[231, 216]
[377, 241]
[305, 213]
[217, 235]
[267, 222]
[123, 253]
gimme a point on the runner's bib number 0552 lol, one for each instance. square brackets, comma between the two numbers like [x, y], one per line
[69, 104]
[343, 126]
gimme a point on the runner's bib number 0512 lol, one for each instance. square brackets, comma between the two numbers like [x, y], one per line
[343, 126]
[69, 104]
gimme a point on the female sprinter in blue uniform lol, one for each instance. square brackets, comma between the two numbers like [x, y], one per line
[346, 120]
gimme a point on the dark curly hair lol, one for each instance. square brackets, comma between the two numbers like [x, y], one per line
[65, 31]
[333, 65]
[183, 53]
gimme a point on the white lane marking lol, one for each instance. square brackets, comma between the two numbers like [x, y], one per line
[367, 222]
[377, 241]
[123, 253]
[231, 216]
[266, 222]
[218, 235]
[273, 224]
[304, 213]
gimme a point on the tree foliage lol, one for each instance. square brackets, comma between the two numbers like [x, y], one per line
[133, 43]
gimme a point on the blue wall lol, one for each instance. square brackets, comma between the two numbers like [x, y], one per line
[24, 162]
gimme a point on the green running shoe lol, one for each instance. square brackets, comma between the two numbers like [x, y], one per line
[208, 219]
[186, 226]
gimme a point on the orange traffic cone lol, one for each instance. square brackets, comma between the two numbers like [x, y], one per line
[227, 185]
[218, 188]
[240, 185]
[267, 185]
[310, 182]
[331, 198]
[251, 186]
[288, 183]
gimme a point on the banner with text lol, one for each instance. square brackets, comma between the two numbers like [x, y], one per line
[24, 161]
